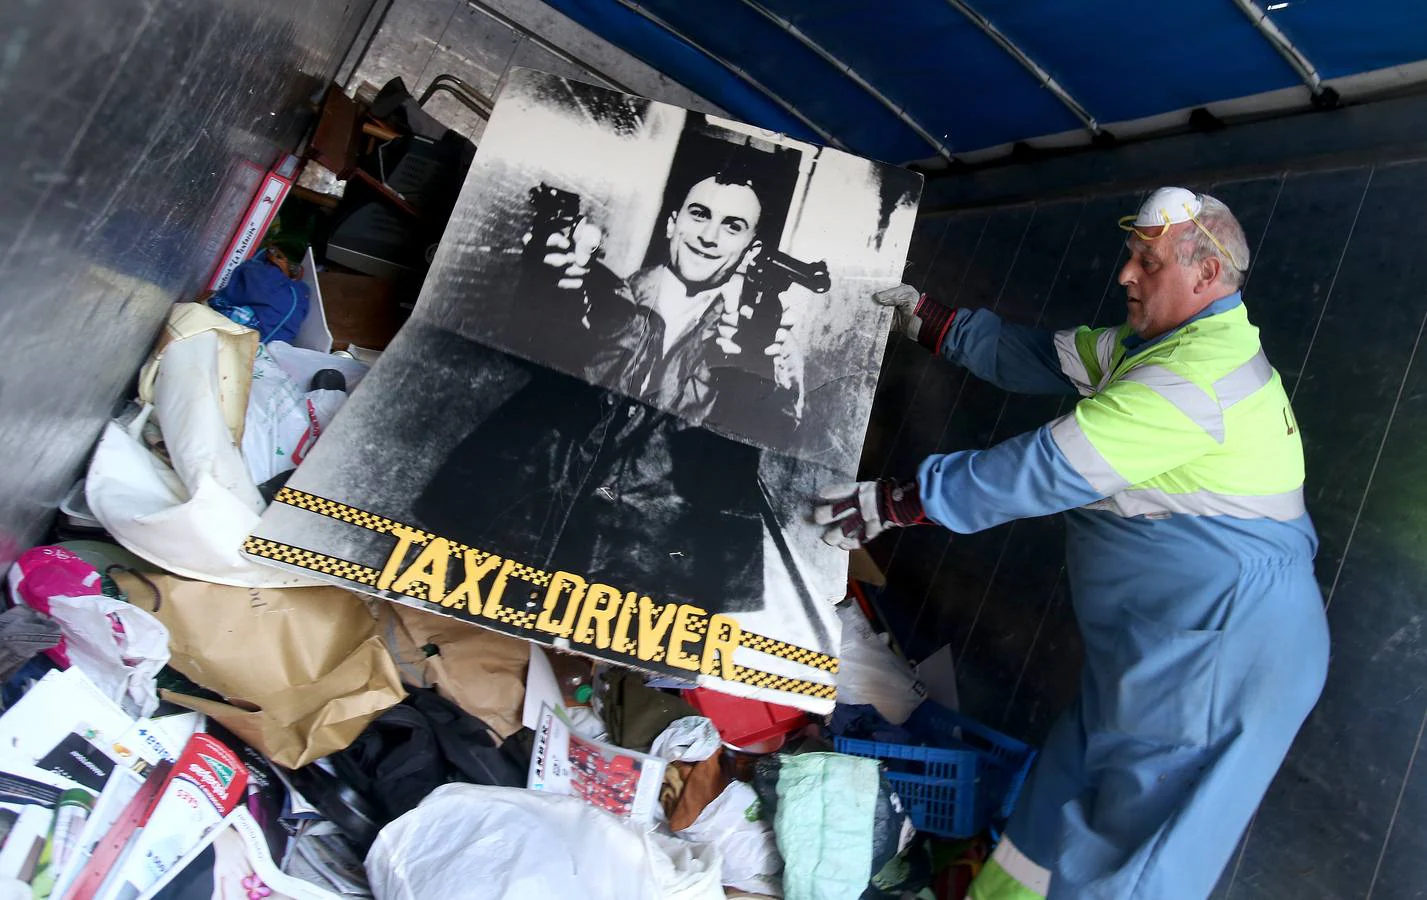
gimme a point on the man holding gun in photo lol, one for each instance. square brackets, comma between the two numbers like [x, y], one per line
[572, 475]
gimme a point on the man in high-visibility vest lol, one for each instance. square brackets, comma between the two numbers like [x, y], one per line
[1189, 554]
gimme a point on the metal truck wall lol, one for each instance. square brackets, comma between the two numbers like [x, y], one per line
[132, 130]
[1337, 290]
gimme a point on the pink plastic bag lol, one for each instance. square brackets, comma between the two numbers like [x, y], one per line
[120, 647]
[44, 572]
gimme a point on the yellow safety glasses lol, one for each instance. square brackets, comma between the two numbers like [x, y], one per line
[1128, 223]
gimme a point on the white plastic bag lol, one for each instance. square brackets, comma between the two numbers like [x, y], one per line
[119, 646]
[284, 419]
[690, 739]
[301, 364]
[869, 672]
[475, 842]
[751, 861]
[197, 533]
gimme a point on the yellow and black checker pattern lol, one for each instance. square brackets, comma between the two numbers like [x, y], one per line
[537, 577]
[773, 682]
[382, 525]
[313, 562]
[790, 652]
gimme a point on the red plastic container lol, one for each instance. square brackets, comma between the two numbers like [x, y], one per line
[746, 724]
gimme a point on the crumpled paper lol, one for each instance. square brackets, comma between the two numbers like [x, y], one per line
[477, 669]
[303, 670]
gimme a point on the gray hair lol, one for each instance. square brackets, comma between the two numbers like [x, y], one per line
[1195, 246]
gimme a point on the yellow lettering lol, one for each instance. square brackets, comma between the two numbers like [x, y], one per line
[652, 630]
[468, 592]
[722, 640]
[600, 606]
[627, 607]
[429, 568]
[566, 623]
[404, 537]
[497, 589]
[682, 635]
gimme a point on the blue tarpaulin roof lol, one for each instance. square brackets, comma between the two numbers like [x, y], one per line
[903, 80]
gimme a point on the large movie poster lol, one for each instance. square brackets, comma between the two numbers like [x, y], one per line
[645, 341]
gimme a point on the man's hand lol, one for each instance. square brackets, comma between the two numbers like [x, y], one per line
[903, 299]
[785, 350]
[917, 316]
[569, 253]
[568, 257]
[856, 513]
[787, 354]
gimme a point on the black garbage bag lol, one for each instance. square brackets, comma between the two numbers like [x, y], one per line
[418, 745]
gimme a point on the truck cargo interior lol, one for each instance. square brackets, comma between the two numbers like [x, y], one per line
[511, 448]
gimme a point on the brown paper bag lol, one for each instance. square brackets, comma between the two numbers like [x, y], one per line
[303, 669]
[479, 670]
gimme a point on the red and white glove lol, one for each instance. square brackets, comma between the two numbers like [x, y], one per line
[918, 316]
[856, 513]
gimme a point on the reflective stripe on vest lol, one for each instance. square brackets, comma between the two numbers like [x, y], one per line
[1186, 396]
[1031, 880]
[1105, 346]
[1070, 362]
[1073, 365]
[1284, 507]
[1084, 458]
[1244, 381]
[1199, 406]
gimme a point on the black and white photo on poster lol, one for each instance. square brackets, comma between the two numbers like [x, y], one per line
[645, 341]
[705, 267]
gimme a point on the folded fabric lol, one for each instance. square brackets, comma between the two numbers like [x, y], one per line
[417, 746]
[24, 633]
[636, 714]
[836, 819]
[261, 296]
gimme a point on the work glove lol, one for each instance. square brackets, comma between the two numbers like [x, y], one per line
[918, 316]
[856, 513]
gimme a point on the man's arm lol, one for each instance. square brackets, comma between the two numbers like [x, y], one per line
[1143, 425]
[1013, 357]
[1017, 358]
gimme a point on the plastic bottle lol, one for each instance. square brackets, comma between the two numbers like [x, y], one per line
[574, 676]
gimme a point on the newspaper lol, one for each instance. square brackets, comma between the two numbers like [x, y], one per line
[207, 783]
[607, 777]
[60, 746]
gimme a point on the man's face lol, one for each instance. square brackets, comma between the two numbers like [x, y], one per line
[711, 231]
[1161, 291]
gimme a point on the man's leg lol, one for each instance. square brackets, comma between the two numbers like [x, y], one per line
[1020, 866]
[1162, 819]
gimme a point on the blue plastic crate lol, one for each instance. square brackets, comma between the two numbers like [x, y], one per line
[961, 775]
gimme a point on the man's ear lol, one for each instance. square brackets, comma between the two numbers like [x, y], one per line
[1211, 269]
[669, 227]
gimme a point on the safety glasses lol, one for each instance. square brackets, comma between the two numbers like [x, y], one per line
[1135, 226]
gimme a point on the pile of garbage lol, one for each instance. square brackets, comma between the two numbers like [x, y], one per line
[182, 722]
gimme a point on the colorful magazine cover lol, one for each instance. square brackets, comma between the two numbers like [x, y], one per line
[619, 781]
